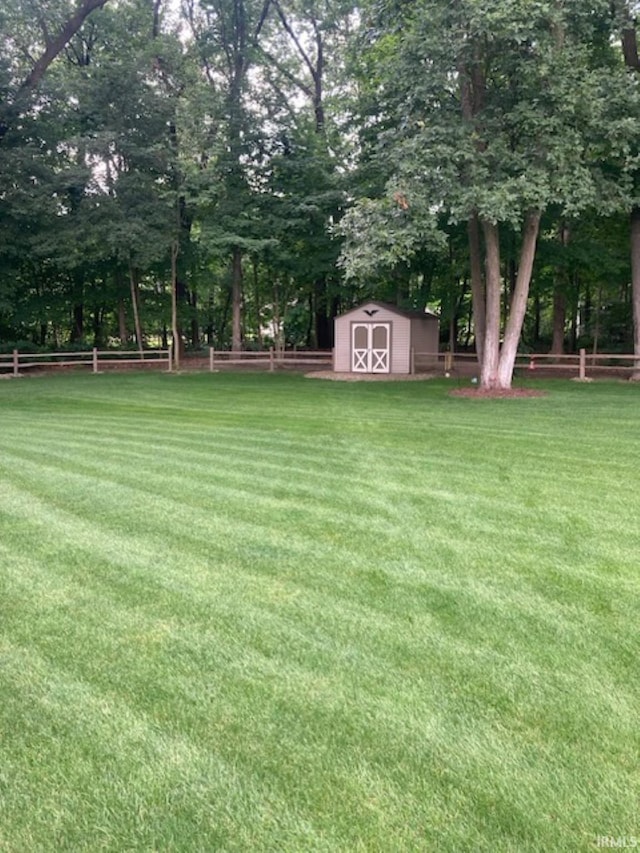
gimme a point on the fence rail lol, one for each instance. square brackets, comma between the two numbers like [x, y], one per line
[16, 362]
[97, 360]
[581, 363]
[273, 358]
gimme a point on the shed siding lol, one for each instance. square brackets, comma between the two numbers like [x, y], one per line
[400, 337]
[425, 337]
[406, 332]
[342, 346]
[401, 345]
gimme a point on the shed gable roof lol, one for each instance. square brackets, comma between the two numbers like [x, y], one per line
[401, 312]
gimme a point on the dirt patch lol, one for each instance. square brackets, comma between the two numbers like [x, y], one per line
[497, 393]
[368, 377]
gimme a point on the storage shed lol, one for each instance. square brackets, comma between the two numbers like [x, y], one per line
[380, 338]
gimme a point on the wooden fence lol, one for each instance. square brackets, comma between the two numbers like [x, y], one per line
[581, 364]
[273, 358]
[97, 360]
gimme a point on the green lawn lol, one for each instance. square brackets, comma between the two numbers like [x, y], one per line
[263, 613]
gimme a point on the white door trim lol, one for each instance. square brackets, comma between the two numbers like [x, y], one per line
[367, 359]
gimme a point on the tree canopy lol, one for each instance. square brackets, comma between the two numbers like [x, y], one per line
[236, 172]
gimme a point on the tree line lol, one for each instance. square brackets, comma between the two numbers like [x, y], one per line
[236, 172]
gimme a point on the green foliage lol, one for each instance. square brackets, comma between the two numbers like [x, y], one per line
[536, 135]
[239, 127]
[395, 229]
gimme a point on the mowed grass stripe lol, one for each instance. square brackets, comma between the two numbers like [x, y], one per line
[447, 661]
[449, 667]
[419, 517]
[172, 786]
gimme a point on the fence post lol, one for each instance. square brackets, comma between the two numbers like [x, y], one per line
[271, 362]
[210, 359]
[95, 359]
[15, 362]
[583, 365]
[412, 363]
[170, 358]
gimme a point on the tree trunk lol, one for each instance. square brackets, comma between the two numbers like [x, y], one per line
[175, 329]
[277, 324]
[256, 301]
[123, 334]
[135, 302]
[223, 319]
[453, 331]
[98, 328]
[477, 285]
[310, 325]
[77, 329]
[596, 329]
[195, 325]
[635, 288]
[560, 299]
[536, 321]
[323, 323]
[236, 300]
[491, 344]
[519, 301]
[559, 320]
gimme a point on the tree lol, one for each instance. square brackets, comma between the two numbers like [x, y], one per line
[627, 25]
[497, 107]
[311, 64]
[55, 33]
[225, 34]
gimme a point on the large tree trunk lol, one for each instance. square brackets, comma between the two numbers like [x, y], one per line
[635, 288]
[236, 300]
[513, 330]
[477, 284]
[491, 345]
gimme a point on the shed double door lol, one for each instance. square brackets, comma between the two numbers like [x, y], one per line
[370, 347]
